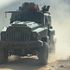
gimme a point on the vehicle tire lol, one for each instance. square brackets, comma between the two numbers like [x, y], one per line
[43, 54]
[3, 55]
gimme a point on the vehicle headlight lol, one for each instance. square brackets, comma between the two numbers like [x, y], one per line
[35, 35]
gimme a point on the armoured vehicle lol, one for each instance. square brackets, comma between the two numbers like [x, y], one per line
[30, 32]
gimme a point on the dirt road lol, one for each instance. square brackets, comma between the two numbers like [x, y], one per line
[23, 64]
[32, 64]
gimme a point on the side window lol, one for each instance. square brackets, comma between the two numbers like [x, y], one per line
[47, 20]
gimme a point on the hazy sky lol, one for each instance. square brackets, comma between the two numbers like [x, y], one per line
[5, 2]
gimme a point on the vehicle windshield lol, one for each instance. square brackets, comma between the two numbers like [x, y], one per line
[37, 17]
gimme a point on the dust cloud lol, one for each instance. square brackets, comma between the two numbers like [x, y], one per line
[61, 24]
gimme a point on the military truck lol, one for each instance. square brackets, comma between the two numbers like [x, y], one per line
[29, 32]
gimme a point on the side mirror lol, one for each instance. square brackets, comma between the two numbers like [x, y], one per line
[52, 31]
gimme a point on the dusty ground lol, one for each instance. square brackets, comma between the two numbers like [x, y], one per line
[32, 64]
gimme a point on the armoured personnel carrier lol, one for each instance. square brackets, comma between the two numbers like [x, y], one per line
[30, 32]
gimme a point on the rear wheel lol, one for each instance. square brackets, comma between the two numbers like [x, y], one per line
[43, 54]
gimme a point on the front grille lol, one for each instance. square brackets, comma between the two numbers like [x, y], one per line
[18, 34]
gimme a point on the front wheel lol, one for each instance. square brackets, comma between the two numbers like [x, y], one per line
[3, 55]
[43, 54]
